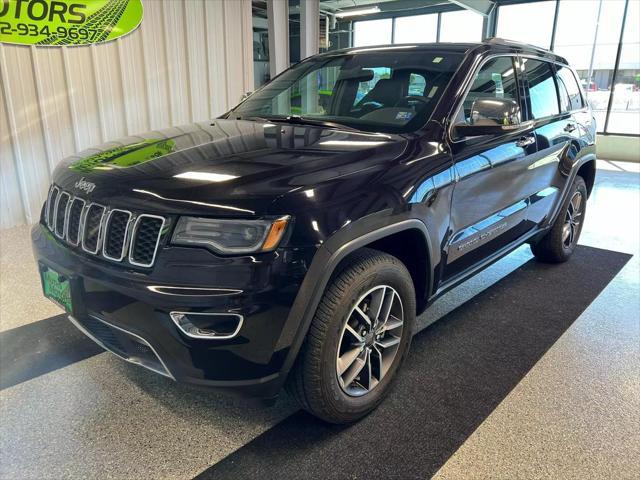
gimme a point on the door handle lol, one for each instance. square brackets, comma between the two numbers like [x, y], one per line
[570, 127]
[525, 141]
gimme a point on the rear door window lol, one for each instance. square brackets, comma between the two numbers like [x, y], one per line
[542, 88]
[570, 96]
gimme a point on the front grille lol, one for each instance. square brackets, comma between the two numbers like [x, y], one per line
[111, 233]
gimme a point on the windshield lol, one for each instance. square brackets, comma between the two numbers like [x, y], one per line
[382, 91]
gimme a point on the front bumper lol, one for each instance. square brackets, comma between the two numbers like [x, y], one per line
[127, 311]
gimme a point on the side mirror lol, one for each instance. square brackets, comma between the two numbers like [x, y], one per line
[492, 116]
[245, 96]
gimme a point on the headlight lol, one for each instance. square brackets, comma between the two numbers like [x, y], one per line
[230, 236]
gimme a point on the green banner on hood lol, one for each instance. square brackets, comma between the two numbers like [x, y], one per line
[124, 156]
[67, 22]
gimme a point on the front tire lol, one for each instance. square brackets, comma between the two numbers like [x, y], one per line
[560, 242]
[357, 340]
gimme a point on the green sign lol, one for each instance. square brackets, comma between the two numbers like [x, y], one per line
[67, 22]
[125, 156]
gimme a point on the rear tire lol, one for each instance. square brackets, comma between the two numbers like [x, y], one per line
[560, 242]
[341, 344]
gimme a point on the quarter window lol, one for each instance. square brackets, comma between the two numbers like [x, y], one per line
[542, 89]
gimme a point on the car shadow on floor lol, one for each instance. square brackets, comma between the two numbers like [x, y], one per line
[459, 370]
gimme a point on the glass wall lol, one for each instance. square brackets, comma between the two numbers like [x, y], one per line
[372, 32]
[460, 26]
[594, 66]
[625, 108]
[527, 22]
[456, 26]
[417, 29]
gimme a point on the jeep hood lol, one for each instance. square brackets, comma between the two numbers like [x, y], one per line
[228, 167]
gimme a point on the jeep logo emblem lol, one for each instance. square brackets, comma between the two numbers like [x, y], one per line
[82, 184]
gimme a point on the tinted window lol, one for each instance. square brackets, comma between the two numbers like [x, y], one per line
[542, 89]
[496, 79]
[570, 97]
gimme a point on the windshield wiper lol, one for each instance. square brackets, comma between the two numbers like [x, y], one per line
[299, 120]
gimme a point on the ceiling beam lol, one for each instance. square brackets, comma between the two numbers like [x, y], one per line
[483, 7]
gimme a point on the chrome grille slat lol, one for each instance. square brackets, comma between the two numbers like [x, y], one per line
[60, 219]
[92, 227]
[74, 222]
[143, 255]
[51, 203]
[115, 234]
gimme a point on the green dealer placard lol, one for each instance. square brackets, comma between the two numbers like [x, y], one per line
[67, 22]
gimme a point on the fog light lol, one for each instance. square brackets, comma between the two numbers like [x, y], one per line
[216, 326]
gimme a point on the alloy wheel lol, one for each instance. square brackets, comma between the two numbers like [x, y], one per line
[370, 340]
[572, 220]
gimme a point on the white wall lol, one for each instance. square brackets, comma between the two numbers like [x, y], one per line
[55, 101]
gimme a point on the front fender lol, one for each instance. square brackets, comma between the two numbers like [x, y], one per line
[324, 263]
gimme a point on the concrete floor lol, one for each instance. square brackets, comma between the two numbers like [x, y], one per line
[576, 414]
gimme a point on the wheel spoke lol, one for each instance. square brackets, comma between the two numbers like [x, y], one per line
[354, 370]
[378, 355]
[364, 316]
[576, 202]
[388, 341]
[377, 300]
[391, 324]
[387, 304]
[356, 335]
[566, 232]
[347, 359]
[571, 233]
[367, 369]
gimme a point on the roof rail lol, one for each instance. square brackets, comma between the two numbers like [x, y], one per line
[506, 41]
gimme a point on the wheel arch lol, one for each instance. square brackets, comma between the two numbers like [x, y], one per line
[326, 263]
[587, 171]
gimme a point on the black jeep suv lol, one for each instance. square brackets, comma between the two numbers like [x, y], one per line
[295, 239]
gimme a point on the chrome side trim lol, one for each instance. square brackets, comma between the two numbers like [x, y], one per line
[175, 317]
[106, 235]
[100, 228]
[165, 373]
[133, 240]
